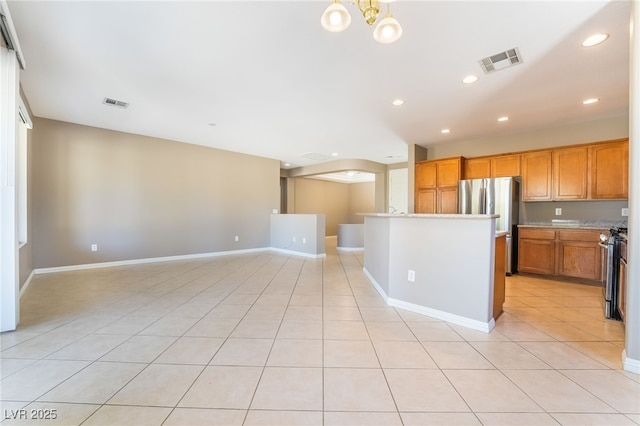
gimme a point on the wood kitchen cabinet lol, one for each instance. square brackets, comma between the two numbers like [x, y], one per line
[536, 176]
[570, 174]
[579, 254]
[609, 164]
[568, 253]
[537, 251]
[505, 165]
[436, 185]
[496, 166]
[477, 168]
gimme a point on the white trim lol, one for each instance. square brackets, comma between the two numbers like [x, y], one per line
[434, 313]
[23, 113]
[298, 253]
[629, 364]
[350, 248]
[55, 269]
[27, 283]
[141, 261]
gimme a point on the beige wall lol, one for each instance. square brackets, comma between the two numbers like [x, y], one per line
[339, 202]
[361, 200]
[139, 197]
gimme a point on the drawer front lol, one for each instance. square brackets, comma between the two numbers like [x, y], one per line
[592, 236]
[537, 233]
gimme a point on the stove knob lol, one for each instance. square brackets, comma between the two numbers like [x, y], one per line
[603, 238]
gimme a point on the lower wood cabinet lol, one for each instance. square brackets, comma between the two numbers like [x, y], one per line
[437, 200]
[560, 252]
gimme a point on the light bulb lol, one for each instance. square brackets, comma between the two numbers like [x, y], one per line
[388, 30]
[335, 18]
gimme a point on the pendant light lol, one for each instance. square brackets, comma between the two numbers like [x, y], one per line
[336, 17]
[388, 30]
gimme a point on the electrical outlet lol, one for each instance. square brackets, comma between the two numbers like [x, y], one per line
[625, 211]
[237, 238]
[411, 275]
[294, 239]
[558, 211]
[94, 247]
[274, 211]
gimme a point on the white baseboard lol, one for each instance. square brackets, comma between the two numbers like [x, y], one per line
[146, 260]
[26, 284]
[629, 364]
[158, 259]
[485, 327]
[298, 253]
[350, 248]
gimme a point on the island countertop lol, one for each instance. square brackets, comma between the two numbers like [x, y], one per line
[432, 216]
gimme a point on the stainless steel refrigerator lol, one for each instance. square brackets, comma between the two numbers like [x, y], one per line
[494, 196]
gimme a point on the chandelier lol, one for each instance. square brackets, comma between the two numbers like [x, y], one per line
[336, 18]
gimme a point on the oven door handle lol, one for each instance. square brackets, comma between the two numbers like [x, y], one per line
[604, 246]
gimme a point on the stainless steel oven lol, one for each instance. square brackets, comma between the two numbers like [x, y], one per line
[622, 277]
[611, 268]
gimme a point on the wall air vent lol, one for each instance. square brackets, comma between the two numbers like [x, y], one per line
[115, 103]
[501, 60]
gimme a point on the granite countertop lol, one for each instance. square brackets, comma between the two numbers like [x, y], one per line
[573, 224]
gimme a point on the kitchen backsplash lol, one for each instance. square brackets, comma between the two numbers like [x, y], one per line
[606, 212]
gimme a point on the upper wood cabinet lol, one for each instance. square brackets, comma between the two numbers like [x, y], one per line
[426, 175]
[505, 165]
[570, 174]
[477, 168]
[536, 176]
[449, 172]
[609, 164]
[497, 166]
[436, 185]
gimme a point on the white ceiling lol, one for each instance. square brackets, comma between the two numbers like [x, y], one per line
[277, 85]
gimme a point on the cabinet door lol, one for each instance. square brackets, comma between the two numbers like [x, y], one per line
[426, 201]
[449, 172]
[476, 168]
[610, 171]
[505, 166]
[536, 176]
[579, 259]
[426, 175]
[570, 173]
[448, 200]
[536, 256]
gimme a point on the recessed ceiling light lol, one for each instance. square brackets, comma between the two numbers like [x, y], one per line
[397, 102]
[334, 154]
[287, 164]
[470, 79]
[504, 118]
[595, 39]
[590, 101]
[445, 131]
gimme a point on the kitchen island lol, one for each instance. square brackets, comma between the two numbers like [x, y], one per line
[440, 265]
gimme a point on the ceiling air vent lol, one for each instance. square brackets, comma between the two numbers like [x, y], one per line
[115, 103]
[315, 156]
[501, 60]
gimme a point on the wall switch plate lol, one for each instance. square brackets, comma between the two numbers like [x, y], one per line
[304, 240]
[237, 238]
[411, 275]
[274, 211]
[294, 239]
[625, 211]
[558, 211]
[94, 247]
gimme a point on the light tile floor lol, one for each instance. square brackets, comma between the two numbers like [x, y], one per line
[271, 339]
